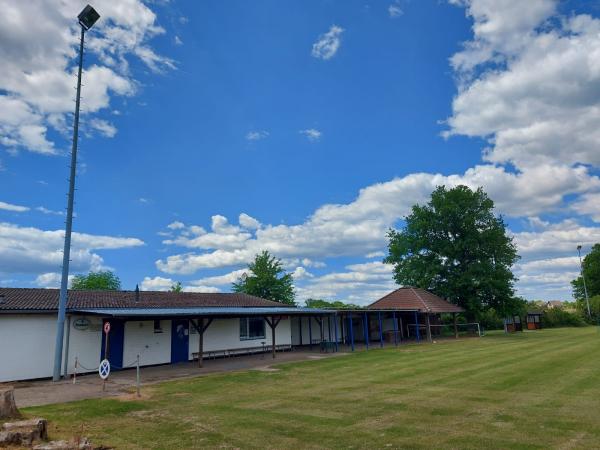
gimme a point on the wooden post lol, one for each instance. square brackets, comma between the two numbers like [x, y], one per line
[428, 327]
[455, 326]
[200, 341]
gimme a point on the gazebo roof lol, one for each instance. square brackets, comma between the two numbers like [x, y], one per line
[411, 299]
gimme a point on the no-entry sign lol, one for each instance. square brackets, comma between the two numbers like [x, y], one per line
[106, 327]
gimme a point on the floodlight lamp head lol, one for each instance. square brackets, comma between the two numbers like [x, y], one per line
[88, 17]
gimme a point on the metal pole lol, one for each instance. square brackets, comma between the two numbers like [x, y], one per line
[351, 329]
[366, 330]
[380, 330]
[137, 375]
[395, 328]
[62, 302]
[417, 322]
[335, 327]
[587, 299]
[68, 338]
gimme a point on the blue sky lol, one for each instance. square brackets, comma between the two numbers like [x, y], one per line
[212, 130]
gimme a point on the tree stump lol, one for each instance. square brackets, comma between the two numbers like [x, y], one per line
[8, 407]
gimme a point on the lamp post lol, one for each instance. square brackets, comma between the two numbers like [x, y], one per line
[587, 299]
[87, 18]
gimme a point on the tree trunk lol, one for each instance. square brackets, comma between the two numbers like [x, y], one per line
[8, 407]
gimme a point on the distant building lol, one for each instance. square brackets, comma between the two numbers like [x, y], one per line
[554, 304]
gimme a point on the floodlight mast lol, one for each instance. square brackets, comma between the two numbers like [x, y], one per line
[587, 299]
[87, 18]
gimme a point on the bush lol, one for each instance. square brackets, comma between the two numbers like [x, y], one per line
[558, 317]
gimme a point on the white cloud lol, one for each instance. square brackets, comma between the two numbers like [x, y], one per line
[359, 227]
[360, 284]
[311, 134]
[378, 254]
[156, 284]
[328, 43]
[395, 11]
[104, 127]
[221, 280]
[51, 280]
[45, 210]
[30, 250]
[178, 41]
[248, 222]
[257, 135]
[37, 70]
[529, 86]
[300, 273]
[14, 208]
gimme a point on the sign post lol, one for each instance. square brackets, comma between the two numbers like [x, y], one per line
[104, 369]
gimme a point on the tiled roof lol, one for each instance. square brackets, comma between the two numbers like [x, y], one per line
[409, 298]
[39, 300]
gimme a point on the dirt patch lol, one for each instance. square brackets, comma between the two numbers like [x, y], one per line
[266, 369]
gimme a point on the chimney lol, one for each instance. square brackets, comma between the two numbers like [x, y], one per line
[137, 293]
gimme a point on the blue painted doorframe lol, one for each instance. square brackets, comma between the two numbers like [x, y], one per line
[116, 339]
[180, 340]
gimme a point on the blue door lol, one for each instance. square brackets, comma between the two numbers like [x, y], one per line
[180, 340]
[115, 343]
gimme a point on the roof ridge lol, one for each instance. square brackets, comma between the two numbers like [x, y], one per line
[420, 298]
[385, 296]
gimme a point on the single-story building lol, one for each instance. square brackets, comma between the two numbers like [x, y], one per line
[160, 327]
[170, 327]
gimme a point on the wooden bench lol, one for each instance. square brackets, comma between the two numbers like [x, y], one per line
[231, 352]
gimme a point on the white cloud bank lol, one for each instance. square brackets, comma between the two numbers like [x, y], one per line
[38, 66]
[29, 250]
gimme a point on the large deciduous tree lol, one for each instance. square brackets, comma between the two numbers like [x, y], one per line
[99, 281]
[267, 279]
[456, 247]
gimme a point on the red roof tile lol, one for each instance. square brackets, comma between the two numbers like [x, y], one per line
[39, 300]
[409, 298]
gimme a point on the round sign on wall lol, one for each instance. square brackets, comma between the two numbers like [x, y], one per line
[81, 324]
[104, 369]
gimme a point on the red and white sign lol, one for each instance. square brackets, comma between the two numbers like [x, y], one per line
[106, 327]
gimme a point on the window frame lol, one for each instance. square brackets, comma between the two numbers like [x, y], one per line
[247, 336]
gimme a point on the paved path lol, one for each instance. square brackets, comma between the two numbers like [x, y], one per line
[44, 392]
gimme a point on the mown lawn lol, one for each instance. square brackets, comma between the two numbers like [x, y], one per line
[528, 390]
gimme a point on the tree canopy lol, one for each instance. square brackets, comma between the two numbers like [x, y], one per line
[318, 303]
[99, 281]
[591, 272]
[267, 279]
[456, 247]
[177, 287]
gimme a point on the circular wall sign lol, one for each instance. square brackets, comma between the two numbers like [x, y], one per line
[81, 324]
[104, 369]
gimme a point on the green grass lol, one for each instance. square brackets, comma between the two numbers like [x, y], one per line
[527, 390]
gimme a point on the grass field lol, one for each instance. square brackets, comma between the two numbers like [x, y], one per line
[528, 390]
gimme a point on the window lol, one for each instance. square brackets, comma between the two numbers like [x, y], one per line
[252, 328]
[157, 327]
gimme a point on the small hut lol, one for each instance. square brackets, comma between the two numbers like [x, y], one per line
[513, 324]
[534, 320]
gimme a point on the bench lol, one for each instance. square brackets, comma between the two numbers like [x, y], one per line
[231, 352]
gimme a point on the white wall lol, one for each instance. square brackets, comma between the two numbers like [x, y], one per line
[140, 339]
[224, 334]
[27, 343]
[85, 345]
[26, 346]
